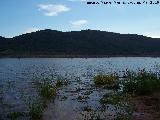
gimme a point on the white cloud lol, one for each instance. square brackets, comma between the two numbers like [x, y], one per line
[53, 9]
[78, 23]
[29, 30]
[155, 34]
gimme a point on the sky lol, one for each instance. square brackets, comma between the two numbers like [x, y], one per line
[24, 16]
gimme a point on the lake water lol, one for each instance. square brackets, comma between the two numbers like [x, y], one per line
[13, 68]
[17, 75]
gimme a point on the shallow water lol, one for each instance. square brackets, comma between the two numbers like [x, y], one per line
[17, 76]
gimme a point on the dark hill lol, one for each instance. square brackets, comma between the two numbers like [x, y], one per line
[85, 42]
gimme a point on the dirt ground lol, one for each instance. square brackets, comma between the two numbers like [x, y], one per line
[147, 107]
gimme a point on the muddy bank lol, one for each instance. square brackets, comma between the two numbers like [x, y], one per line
[147, 107]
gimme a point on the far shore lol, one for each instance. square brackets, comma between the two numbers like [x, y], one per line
[73, 56]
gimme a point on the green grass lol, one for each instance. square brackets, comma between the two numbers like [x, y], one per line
[92, 115]
[114, 99]
[15, 115]
[47, 90]
[109, 80]
[123, 117]
[36, 110]
[140, 83]
[120, 100]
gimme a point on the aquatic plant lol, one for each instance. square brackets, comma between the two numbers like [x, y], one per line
[15, 115]
[60, 83]
[64, 98]
[140, 83]
[87, 108]
[92, 115]
[47, 90]
[82, 97]
[36, 110]
[123, 117]
[109, 80]
[117, 98]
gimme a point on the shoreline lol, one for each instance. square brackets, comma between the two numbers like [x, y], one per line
[74, 56]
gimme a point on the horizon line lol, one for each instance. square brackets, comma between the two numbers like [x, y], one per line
[155, 37]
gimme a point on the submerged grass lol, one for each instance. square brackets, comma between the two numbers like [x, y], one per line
[92, 115]
[122, 102]
[114, 99]
[60, 83]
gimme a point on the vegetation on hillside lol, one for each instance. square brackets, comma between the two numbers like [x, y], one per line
[85, 42]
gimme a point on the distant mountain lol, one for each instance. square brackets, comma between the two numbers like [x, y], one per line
[2, 38]
[85, 42]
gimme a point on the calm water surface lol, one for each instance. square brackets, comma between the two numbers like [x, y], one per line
[13, 68]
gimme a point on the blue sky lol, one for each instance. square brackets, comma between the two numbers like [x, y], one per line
[23, 16]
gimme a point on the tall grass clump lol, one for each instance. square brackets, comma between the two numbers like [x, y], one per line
[36, 110]
[47, 90]
[140, 83]
[109, 80]
[15, 115]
